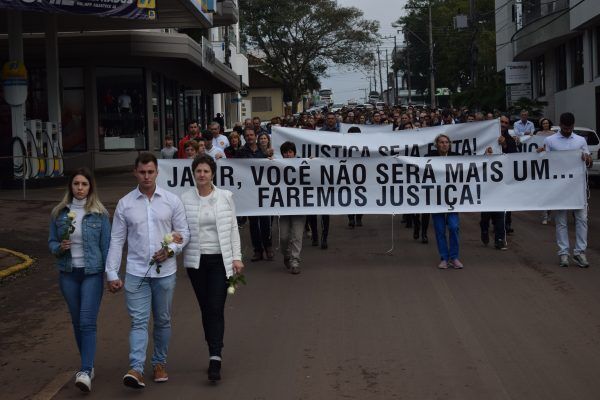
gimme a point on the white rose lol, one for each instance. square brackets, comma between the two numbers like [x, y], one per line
[168, 239]
[72, 215]
[231, 290]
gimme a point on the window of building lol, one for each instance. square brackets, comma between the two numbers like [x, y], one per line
[121, 108]
[261, 104]
[576, 56]
[158, 138]
[540, 76]
[561, 67]
[72, 100]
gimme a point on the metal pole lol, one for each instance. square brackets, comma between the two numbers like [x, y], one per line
[408, 83]
[395, 74]
[473, 43]
[380, 80]
[431, 74]
[387, 78]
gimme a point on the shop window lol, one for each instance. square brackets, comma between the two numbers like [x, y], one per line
[576, 55]
[261, 104]
[157, 137]
[540, 76]
[73, 110]
[121, 108]
[561, 67]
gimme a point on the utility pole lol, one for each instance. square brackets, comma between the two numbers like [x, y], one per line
[387, 78]
[380, 80]
[431, 73]
[408, 71]
[374, 74]
[474, 49]
[395, 74]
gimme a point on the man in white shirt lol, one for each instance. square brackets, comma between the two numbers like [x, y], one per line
[143, 217]
[523, 126]
[210, 150]
[565, 139]
[218, 140]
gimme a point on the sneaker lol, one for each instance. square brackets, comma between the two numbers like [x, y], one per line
[160, 373]
[581, 260]
[501, 245]
[443, 264]
[294, 267]
[564, 261]
[134, 379]
[83, 381]
[456, 263]
[214, 370]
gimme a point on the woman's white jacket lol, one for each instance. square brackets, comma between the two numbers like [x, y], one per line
[227, 228]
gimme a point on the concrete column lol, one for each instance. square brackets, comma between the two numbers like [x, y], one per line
[52, 69]
[152, 140]
[15, 53]
[588, 59]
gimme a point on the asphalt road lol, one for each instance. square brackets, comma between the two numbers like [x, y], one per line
[357, 323]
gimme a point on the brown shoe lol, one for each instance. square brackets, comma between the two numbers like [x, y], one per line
[160, 373]
[270, 254]
[257, 256]
[134, 379]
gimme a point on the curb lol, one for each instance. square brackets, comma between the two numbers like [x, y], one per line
[27, 261]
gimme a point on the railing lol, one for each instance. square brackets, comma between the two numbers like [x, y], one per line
[535, 9]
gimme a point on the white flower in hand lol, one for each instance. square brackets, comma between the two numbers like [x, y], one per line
[168, 239]
[72, 215]
[231, 290]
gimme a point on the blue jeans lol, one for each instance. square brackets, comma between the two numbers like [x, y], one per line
[440, 222]
[143, 295]
[83, 294]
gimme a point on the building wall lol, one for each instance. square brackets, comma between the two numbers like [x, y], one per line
[277, 107]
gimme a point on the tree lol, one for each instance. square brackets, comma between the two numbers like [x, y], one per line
[452, 48]
[298, 40]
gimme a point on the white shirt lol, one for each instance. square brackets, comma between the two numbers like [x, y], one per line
[559, 142]
[214, 151]
[221, 142]
[76, 238]
[521, 128]
[207, 217]
[144, 223]
[124, 101]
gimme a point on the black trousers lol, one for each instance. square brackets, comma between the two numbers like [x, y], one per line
[313, 223]
[420, 223]
[498, 220]
[210, 286]
[260, 233]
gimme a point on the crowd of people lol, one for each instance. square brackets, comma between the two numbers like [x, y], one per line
[156, 225]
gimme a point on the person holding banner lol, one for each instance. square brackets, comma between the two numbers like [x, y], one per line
[545, 130]
[213, 253]
[446, 221]
[565, 139]
[260, 227]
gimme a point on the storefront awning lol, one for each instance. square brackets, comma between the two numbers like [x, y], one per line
[165, 14]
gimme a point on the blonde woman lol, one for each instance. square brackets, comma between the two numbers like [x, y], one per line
[79, 238]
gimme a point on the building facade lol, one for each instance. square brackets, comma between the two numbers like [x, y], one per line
[561, 40]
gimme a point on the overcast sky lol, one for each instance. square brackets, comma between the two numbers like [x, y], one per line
[348, 84]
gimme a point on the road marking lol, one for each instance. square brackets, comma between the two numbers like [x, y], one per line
[52, 388]
[27, 261]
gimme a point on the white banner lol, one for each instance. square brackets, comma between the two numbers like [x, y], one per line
[376, 141]
[394, 185]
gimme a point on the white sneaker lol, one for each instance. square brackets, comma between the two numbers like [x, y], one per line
[83, 381]
[581, 260]
[564, 260]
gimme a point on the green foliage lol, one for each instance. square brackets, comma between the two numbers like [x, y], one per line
[535, 107]
[452, 49]
[298, 40]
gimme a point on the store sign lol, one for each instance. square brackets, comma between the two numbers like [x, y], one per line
[516, 92]
[130, 9]
[518, 72]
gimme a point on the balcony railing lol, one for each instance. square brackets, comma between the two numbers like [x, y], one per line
[535, 9]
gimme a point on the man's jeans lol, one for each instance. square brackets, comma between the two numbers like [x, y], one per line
[83, 294]
[291, 229]
[143, 295]
[562, 231]
[440, 221]
[260, 233]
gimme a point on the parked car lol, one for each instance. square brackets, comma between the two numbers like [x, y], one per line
[380, 105]
[368, 106]
[593, 142]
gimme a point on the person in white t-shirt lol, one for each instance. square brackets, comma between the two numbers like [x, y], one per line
[212, 151]
[565, 139]
[218, 140]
